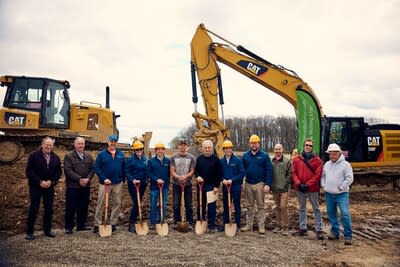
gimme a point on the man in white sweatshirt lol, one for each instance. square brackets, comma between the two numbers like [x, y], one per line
[337, 176]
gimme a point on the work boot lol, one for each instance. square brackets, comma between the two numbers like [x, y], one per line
[347, 241]
[246, 228]
[114, 228]
[95, 229]
[285, 231]
[132, 228]
[320, 235]
[301, 232]
[49, 233]
[332, 236]
[68, 231]
[29, 237]
[277, 229]
[261, 230]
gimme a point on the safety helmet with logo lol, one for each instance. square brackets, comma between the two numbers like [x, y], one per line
[254, 138]
[159, 145]
[137, 145]
[227, 144]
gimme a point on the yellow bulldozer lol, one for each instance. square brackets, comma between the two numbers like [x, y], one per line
[36, 107]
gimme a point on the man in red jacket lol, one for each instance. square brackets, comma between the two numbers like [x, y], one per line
[306, 176]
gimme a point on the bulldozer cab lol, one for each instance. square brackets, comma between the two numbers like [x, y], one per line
[348, 133]
[48, 97]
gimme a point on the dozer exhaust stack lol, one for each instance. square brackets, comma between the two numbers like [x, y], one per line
[108, 97]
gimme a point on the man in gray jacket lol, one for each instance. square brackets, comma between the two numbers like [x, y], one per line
[78, 169]
[337, 176]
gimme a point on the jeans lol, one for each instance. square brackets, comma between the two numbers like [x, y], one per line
[302, 198]
[176, 191]
[333, 201]
[235, 197]
[76, 202]
[36, 193]
[133, 193]
[155, 216]
[211, 207]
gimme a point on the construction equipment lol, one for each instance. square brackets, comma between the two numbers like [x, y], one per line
[105, 228]
[37, 107]
[373, 150]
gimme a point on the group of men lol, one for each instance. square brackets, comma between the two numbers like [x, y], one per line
[255, 174]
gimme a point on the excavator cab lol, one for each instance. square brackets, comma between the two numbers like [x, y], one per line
[27, 97]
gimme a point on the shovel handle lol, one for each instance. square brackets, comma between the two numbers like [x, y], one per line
[228, 188]
[137, 185]
[160, 186]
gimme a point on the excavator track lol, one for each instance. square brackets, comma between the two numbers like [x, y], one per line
[376, 179]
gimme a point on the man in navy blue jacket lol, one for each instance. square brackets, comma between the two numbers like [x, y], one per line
[208, 171]
[232, 175]
[258, 167]
[43, 171]
[109, 167]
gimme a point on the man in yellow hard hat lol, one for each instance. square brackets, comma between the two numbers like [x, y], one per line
[232, 177]
[258, 167]
[159, 167]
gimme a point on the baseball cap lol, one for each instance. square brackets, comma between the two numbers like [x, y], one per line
[113, 137]
[182, 141]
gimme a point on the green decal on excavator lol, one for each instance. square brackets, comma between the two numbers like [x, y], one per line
[308, 120]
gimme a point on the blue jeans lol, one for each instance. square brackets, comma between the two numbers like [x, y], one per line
[235, 198]
[333, 201]
[155, 216]
[132, 192]
[302, 199]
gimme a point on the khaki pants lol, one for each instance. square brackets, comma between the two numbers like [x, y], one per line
[115, 197]
[255, 193]
[281, 202]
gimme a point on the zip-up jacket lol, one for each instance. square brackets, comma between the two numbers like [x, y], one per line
[233, 171]
[282, 175]
[258, 167]
[137, 169]
[159, 169]
[209, 168]
[76, 168]
[107, 167]
[301, 174]
[38, 170]
[337, 174]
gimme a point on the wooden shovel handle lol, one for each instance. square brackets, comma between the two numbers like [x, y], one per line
[160, 186]
[137, 185]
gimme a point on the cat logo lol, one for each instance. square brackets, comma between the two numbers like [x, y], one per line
[373, 140]
[14, 119]
[254, 68]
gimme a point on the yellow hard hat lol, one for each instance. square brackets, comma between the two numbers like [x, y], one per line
[138, 145]
[226, 144]
[254, 138]
[159, 145]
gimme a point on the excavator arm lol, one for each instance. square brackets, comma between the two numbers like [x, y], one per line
[204, 56]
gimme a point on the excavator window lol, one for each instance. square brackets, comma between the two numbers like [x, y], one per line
[57, 106]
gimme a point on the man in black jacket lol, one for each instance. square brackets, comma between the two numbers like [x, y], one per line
[78, 170]
[43, 172]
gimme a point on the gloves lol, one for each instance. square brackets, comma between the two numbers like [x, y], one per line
[303, 188]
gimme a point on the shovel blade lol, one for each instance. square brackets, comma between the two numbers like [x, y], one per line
[230, 229]
[142, 228]
[105, 230]
[183, 227]
[201, 227]
[162, 229]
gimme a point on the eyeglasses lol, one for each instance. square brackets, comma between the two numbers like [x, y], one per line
[308, 145]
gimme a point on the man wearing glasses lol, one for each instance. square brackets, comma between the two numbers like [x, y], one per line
[306, 176]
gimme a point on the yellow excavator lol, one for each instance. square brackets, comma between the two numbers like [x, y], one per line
[373, 150]
[36, 107]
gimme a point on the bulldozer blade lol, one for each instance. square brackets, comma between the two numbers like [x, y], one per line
[142, 228]
[230, 229]
[105, 230]
[201, 227]
[162, 229]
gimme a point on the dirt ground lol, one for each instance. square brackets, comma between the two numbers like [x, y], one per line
[375, 215]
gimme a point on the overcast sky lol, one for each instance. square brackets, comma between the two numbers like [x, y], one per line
[347, 51]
